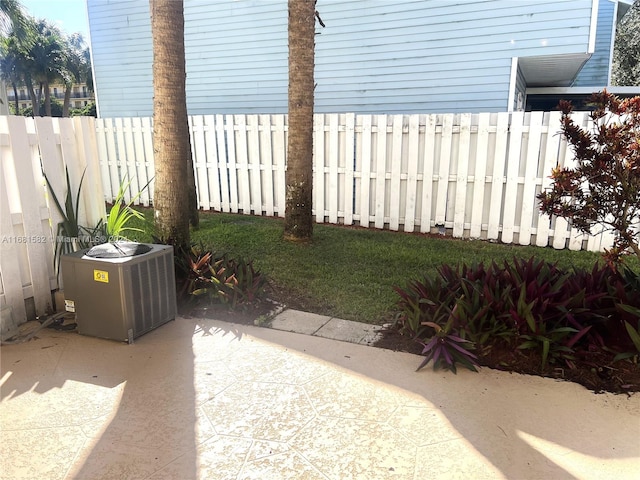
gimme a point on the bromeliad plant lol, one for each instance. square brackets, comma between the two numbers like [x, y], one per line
[446, 349]
[218, 278]
[524, 305]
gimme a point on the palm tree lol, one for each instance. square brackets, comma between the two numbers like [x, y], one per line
[298, 222]
[9, 68]
[77, 67]
[13, 22]
[174, 197]
[46, 60]
[12, 18]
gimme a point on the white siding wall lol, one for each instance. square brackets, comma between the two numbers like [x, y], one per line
[380, 56]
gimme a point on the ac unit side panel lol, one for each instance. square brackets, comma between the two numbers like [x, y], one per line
[151, 286]
[97, 293]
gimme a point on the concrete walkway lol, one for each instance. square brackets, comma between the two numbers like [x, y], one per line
[207, 399]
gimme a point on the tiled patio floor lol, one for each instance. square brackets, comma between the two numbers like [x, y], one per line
[205, 399]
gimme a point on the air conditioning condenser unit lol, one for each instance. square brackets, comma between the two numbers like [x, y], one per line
[120, 290]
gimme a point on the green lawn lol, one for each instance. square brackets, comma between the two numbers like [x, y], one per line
[350, 272]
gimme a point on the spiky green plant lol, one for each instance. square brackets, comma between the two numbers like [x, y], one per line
[68, 232]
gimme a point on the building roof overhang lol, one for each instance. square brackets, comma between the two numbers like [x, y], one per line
[552, 70]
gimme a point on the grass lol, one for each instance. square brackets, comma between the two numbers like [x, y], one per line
[350, 272]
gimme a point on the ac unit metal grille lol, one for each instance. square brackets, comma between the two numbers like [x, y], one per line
[154, 295]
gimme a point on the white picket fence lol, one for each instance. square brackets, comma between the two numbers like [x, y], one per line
[468, 175]
[471, 176]
[28, 217]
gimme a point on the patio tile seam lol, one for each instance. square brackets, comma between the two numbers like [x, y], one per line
[313, 465]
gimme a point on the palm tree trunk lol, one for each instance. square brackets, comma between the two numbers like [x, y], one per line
[67, 100]
[47, 99]
[35, 102]
[298, 223]
[171, 145]
[15, 95]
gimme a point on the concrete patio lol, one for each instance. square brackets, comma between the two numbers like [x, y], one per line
[207, 399]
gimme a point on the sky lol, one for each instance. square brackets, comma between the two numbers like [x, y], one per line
[69, 15]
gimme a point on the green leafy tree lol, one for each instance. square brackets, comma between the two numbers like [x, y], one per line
[604, 187]
[626, 51]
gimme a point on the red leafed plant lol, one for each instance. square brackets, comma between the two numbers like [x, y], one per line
[604, 186]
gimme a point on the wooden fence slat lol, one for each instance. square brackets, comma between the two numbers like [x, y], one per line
[497, 176]
[529, 211]
[577, 237]
[32, 199]
[319, 175]
[223, 160]
[121, 155]
[334, 162]
[131, 160]
[560, 225]
[365, 171]
[149, 163]
[550, 157]
[381, 169]
[200, 169]
[76, 165]
[462, 177]
[396, 166]
[234, 199]
[412, 173]
[52, 165]
[427, 176]
[103, 155]
[280, 153]
[267, 162]
[242, 159]
[479, 175]
[511, 187]
[443, 169]
[253, 159]
[11, 284]
[141, 162]
[112, 155]
[93, 193]
[211, 161]
[349, 191]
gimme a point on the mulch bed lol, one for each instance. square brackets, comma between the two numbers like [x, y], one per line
[619, 377]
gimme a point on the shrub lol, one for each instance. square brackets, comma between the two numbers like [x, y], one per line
[563, 316]
[604, 187]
